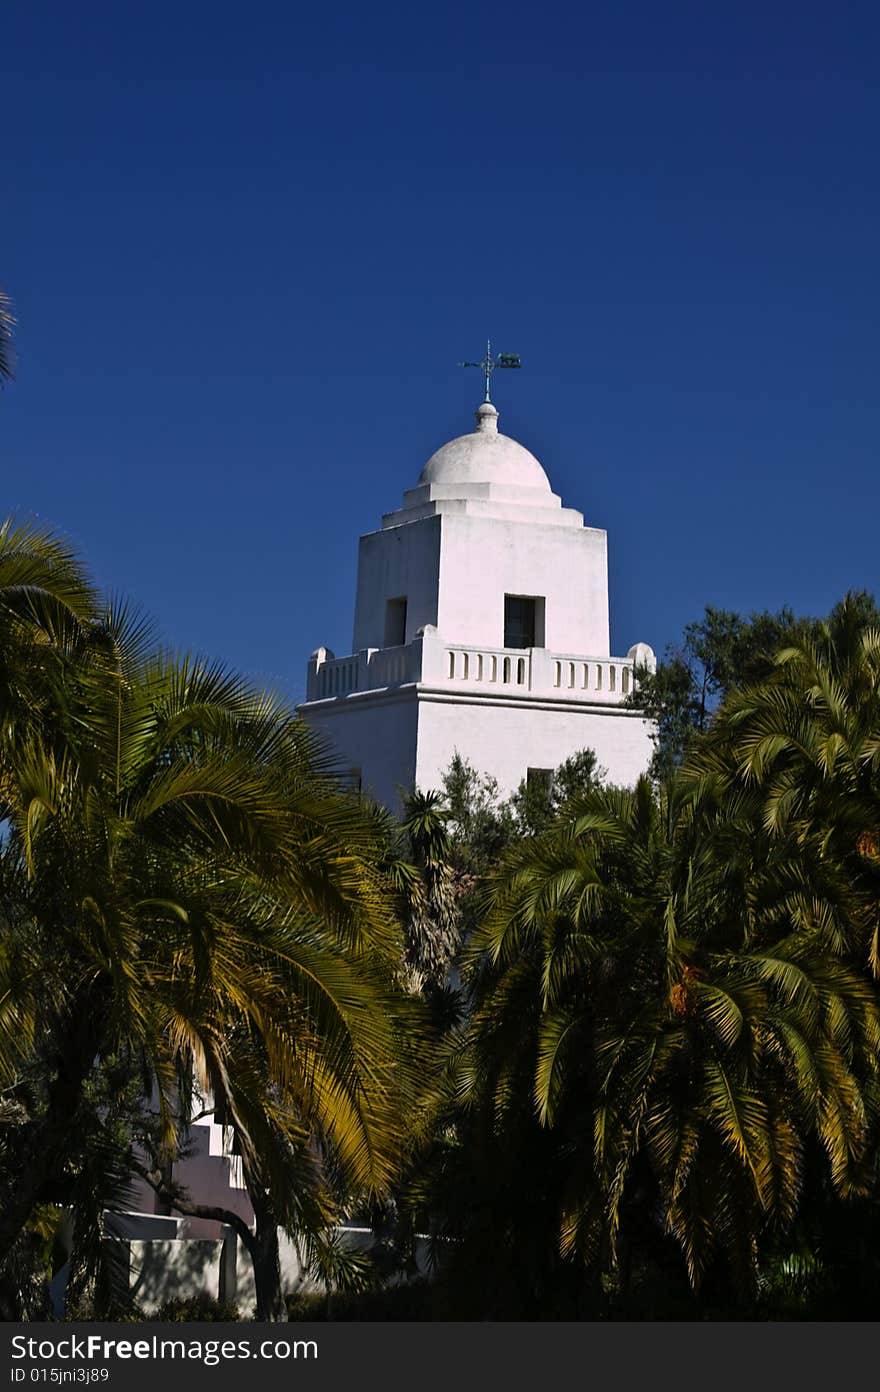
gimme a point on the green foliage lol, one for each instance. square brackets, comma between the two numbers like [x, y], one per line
[537, 803]
[670, 698]
[203, 1309]
[29, 1267]
[336, 1265]
[480, 824]
[184, 885]
[634, 1071]
[433, 923]
[656, 1033]
[414, 1301]
[670, 1068]
[718, 652]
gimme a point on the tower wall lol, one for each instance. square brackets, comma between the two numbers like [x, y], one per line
[375, 739]
[397, 561]
[484, 558]
[505, 740]
[440, 663]
[406, 737]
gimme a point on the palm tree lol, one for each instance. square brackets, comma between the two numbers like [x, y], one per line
[805, 744]
[7, 324]
[423, 874]
[46, 605]
[184, 883]
[653, 975]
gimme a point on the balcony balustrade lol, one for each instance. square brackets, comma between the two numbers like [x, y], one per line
[431, 661]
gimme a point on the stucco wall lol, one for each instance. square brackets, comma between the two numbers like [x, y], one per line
[455, 571]
[155, 1270]
[482, 559]
[399, 561]
[505, 740]
[378, 733]
[375, 733]
[161, 1270]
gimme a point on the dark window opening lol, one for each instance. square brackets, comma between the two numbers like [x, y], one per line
[540, 778]
[523, 621]
[395, 622]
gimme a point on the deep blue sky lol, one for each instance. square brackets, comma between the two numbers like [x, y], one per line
[249, 243]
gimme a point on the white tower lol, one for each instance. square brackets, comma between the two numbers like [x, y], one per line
[481, 626]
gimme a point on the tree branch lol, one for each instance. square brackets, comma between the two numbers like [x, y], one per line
[194, 1210]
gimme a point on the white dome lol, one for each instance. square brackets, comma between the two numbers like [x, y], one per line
[484, 456]
[484, 474]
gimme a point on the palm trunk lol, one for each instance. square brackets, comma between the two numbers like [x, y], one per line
[262, 1245]
[266, 1257]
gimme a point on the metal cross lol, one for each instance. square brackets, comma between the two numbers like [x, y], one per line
[489, 364]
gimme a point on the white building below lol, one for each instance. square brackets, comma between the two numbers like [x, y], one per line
[481, 626]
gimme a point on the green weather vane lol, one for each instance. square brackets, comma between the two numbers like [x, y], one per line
[489, 364]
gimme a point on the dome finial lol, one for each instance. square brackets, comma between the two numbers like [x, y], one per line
[489, 364]
[487, 418]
